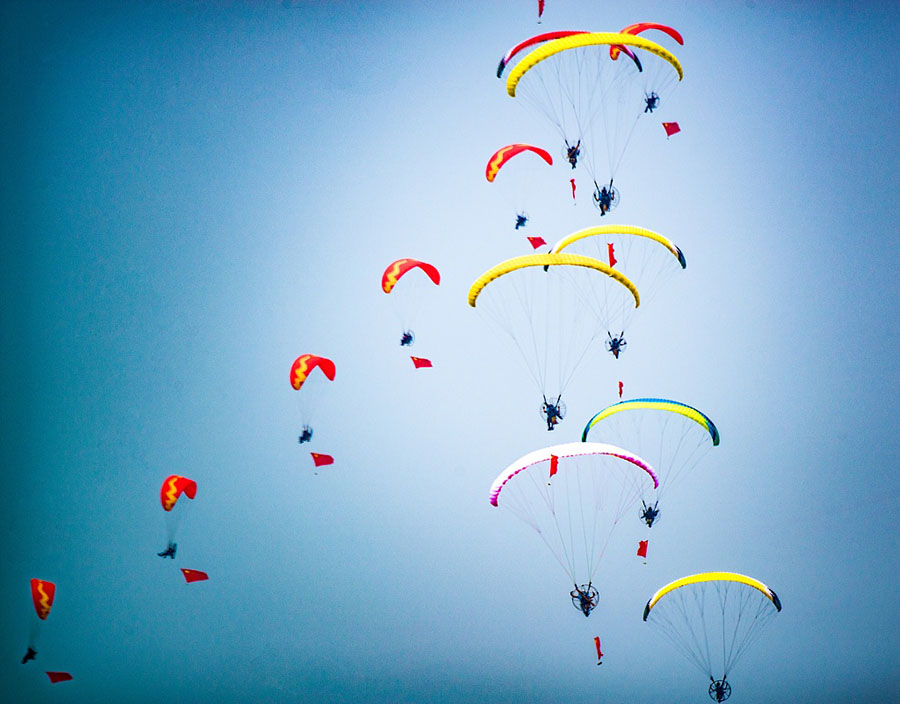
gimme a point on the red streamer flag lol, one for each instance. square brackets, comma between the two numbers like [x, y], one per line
[321, 460]
[599, 652]
[642, 548]
[671, 128]
[612, 255]
[194, 575]
[536, 242]
[59, 677]
[419, 362]
[572, 181]
[554, 464]
[621, 386]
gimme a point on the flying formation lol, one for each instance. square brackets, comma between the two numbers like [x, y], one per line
[568, 313]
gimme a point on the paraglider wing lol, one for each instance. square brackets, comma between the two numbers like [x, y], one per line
[540, 38]
[305, 364]
[586, 39]
[396, 270]
[659, 404]
[504, 154]
[620, 230]
[173, 487]
[642, 27]
[42, 594]
[529, 260]
[572, 449]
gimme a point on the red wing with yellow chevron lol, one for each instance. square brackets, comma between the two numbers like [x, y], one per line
[42, 593]
[398, 269]
[304, 365]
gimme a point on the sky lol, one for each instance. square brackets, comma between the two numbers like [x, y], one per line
[196, 193]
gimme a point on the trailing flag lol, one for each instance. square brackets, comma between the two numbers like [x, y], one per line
[320, 460]
[194, 575]
[642, 549]
[59, 677]
[612, 255]
[537, 242]
[671, 128]
[420, 362]
[620, 389]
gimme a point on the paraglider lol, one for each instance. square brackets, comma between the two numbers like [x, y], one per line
[308, 384]
[670, 434]
[647, 258]
[42, 595]
[590, 100]
[173, 487]
[712, 618]
[592, 487]
[526, 301]
[170, 550]
[519, 175]
[407, 302]
[616, 345]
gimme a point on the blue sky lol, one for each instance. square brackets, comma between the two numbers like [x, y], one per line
[197, 193]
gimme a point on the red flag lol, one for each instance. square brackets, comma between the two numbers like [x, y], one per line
[536, 242]
[419, 362]
[540, 10]
[194, 575]
[620, 389]
[642, 548]
[612, 254]
[320, 460]
[599, 652]
[572, 181]
[671, 128]
[554, 464]
[59, 677]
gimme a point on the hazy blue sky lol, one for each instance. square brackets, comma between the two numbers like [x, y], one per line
[195, 193]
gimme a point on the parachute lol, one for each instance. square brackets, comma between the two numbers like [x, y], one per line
[305, 364]
[521, 182]
[712, 618]
[42, 594]
[173, 487]
[573, 496]
[645, 257]
[169, 494]
[310, 388]
[502, 156]
[553, 317]
[670, 434]
[407, 303]
[591, 99]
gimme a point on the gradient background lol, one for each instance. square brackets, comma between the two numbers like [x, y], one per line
[195, 193]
